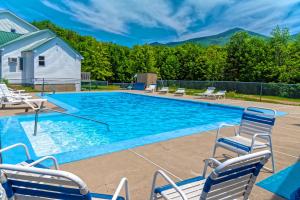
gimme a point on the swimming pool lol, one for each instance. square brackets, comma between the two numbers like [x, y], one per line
[133, 120]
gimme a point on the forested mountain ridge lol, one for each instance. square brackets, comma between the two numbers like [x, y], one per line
[243, 58]
[218, 39]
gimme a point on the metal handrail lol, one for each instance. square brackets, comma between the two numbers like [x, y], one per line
[77, 116]
[80, 117]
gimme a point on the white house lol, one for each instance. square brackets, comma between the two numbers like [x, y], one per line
[29, 55]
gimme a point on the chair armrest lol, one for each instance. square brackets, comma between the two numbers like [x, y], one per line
[17, 145]
[259, 134]
[225, 125]
[52, 158]
[123, 183]
[167, 179]
[209, 162]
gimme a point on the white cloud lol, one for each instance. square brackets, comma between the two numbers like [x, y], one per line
[256, 15]
[208, 17]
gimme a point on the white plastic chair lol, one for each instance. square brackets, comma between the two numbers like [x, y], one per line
[24, 183]
[151, 88]
[231, 179]
[180, 91]
[254, 133]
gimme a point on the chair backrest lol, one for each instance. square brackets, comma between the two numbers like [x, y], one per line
[4, 89]
[152, 86]
[221, 92]
[235, 177]
[181, 90]
[257, 121]
[209, 90]
[37, 183]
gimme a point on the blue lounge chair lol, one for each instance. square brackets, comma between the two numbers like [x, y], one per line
[29, 162]
[254, 133]
[231, 179]
[24, 183]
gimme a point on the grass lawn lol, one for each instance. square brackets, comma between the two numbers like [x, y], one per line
[230, 95]
[248, 97]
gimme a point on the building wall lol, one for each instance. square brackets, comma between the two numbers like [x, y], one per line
[8, 21]
[11, 71]
[62, 64]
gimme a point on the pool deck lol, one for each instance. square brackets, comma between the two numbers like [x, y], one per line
[182, 157]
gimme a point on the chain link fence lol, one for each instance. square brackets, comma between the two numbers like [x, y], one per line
[254, 88]
[92, 85]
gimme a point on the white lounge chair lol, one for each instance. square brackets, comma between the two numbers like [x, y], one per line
[254, 133]
[29, 162]
[209, 91]
[218, 95]
[10, 93]
[151, 88]
[24, 183]
[8, 100]
[180, 91]
[232, 179]
[164, 90]
[35, 104]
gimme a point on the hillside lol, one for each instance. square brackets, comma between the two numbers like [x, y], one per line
[218, 39]
[294, 37]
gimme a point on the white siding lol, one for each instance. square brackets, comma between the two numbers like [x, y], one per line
[14, 51]
[62, 64]
[9, 21]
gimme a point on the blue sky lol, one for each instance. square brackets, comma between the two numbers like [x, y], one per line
[130, 22]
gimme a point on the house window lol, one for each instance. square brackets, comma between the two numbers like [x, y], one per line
[12, 30]
[21, 63]
[42, 61]
[13, 63]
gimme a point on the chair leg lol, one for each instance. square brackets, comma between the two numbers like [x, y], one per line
[214, 150]
[273, 160]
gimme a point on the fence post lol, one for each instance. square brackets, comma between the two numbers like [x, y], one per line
[261, 90]
[90, 85]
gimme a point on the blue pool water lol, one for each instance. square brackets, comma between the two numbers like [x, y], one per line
[133, 120]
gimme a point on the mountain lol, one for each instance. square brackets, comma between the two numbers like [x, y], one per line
[295, 36]
[218, 39]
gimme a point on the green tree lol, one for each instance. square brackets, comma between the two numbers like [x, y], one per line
[279, 44]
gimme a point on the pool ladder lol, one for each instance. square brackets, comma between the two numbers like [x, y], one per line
[37, 111]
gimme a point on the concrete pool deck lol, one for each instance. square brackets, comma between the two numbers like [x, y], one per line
[182, 157]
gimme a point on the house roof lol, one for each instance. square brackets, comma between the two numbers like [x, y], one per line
[25, 36]
[19, 18]
[40, 43]
[46, 40]
[6, 37]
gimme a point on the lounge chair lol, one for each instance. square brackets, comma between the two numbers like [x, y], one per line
[24, 183]
[209, 91]
[129, 87]
[11, 93]
[231, 179]
[164, 90]
[151, 88]
[180, 91]
[218, 95]
[35, 104]
[29, 162]
[8, 100]
[254, 133]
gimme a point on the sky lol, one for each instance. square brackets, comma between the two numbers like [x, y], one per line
[130, 22]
